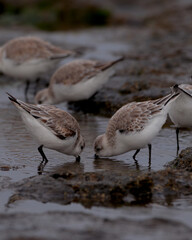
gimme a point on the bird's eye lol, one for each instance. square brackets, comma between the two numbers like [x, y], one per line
[82, 147]
[121, 130]
[98, 149]
[40, 102]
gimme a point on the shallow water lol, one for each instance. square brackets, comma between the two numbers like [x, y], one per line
[48, 220]
[19, 151]
[20, 159]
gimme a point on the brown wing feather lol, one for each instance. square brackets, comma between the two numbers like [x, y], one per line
[80, 70]
[104, 66]
[74, 72]
[27, 48]
[132, 117]
[61, 123]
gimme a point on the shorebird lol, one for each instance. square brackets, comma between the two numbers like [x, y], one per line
[133, 127]
[181, 109]
[52, 128]
[75, 81]
[28, 58]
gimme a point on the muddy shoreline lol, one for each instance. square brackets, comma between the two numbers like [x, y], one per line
[110, 199]
[109, 190]
[31, 202]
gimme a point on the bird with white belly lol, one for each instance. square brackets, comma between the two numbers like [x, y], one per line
[181, 109]
[76, 80]
[133, 127]
[28, 58]
[52, 128]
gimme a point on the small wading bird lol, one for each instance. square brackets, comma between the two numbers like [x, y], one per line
[181, 109]
[28, 58]
[133, 127]
[52, 128]
[75, 81]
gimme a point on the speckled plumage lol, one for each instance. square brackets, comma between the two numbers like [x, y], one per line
[133, 117]
[26, 48]
[75, 81]
[59, 122]
[77, 71]
[51, 127]
[28, 58]
[133, 126]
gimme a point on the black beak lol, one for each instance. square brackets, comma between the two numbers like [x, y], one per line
[78, 158]
[96, 156]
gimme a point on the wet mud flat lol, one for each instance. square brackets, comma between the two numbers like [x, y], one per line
[70, 184]
[69, 202]
[133, 188]
[82, 201]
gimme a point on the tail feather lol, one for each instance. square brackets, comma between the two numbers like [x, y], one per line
[161, 101]
[59, 56]
[110, 64]
[173, 96]
[13, 99]
[62, 55]
[166, 99]
[22, 105]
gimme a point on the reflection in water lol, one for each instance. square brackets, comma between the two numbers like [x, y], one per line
[69, 167]
[112, 165]
[17, 148]
[41, 167]
[137, 164]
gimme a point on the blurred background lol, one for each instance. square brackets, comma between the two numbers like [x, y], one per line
[155, 38]
[73, 14]
[55, 15]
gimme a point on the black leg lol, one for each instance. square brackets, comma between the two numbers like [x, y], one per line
[78, 158]
[43, 162]
[149, 147]
[26, 90]
[137, 164]
[40, 149]
[177, 137]
[36, 86]
[137, 151]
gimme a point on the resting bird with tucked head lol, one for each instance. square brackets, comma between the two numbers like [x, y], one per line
[75, 81]
[28, 58]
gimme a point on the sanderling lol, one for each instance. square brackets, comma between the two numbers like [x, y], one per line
[133, 127]
[76, 80]
[28, 58]
[180, 111]
[52, 128]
